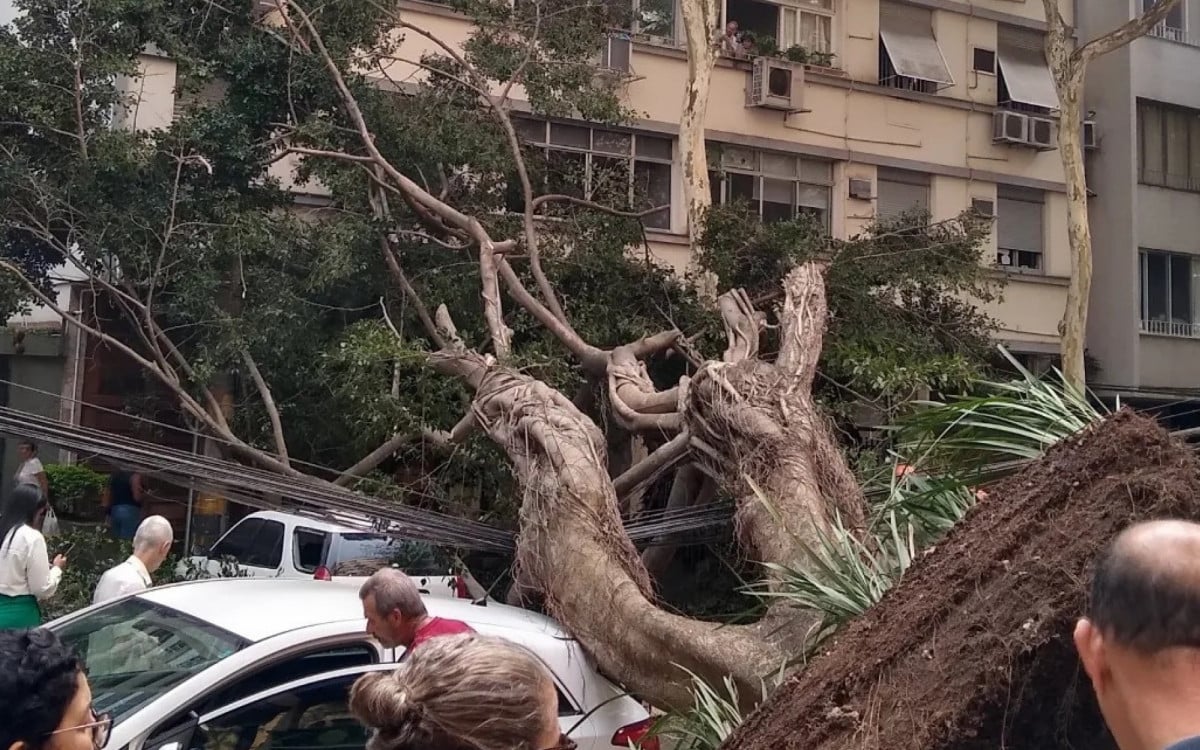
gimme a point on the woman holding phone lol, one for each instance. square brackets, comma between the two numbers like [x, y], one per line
[26, 573]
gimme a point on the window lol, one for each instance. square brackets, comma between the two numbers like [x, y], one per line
[134, 651]
[805, 23]
[307, 547]
[1025, 82]
[779, 186]
[254, 541]
[1168, 146]
[655, 18]
[1019, 232]
[1174, 26]
[983, 60]
[607, 166]
[311, 717]
[350, 551]
[909, 56]
[295, 667]
[899, 191]
[1170, 290]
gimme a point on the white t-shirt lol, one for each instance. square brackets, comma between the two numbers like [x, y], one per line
[24, 566]
[28, 471]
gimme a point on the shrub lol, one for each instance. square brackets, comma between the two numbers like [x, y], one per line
[75, 491]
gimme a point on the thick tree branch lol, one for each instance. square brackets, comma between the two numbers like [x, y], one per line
[665, 458]
[368, 463]
[410, 293]
[802, 325]
[268, 400]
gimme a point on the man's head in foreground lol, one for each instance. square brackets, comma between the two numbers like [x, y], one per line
[393, 607]
[1140, 642]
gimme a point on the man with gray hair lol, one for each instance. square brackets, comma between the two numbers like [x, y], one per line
[396, 614]
[151, 545]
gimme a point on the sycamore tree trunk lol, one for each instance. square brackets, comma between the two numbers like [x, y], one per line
[701, 19]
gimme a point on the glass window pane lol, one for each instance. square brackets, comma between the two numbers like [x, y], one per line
[566, 172]
[1177, 148]
[657, 18]
[782, 165]
[816, 170]
[1156, 286]
[609, 142]
[816, 32]
[778, 200]
[742, 187]
[268, 546]
[530, 131]
[654, 148]
[1194, 152]
[609, 182]
[714, 187]
[309, 545]
[652, 188]
[739, 158]
[814, 196]
[1181, 289]
[569, 135]
[1152, 144]
[789, 32]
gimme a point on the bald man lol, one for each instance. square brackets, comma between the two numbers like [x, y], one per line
[1140, 642]
[151, 547]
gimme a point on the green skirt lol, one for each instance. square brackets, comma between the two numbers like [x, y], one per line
[19, 612]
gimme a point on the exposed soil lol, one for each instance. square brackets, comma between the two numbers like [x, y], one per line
[973, 649]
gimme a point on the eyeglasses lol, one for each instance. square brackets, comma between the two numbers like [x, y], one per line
[564, 743]
[100, 725]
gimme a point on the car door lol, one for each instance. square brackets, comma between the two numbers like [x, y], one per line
[306, 714]
[255, 545]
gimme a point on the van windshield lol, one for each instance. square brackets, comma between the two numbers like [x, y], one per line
[363, 554]
[134, 651]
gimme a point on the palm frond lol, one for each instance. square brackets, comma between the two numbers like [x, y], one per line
[709, 721]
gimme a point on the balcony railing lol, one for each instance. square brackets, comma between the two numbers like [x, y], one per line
[1171, 328]
[1174, 34]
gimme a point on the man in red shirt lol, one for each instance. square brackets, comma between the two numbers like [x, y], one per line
[396, 613]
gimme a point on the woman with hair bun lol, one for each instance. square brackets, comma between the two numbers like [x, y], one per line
[462, 692]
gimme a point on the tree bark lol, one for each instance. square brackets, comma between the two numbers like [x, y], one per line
[701, 19]
[1069, 69]
[571, 546]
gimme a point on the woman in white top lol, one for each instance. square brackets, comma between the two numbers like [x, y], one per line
[30, 470]
[26, 574]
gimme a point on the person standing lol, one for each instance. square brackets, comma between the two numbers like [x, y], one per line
[151, 547]
[396, 613]
[30, 470]
[1140, 641]
[26, 574]
[123, 502]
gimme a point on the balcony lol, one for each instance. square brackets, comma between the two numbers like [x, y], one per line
[1173, 328]
[1174, 33]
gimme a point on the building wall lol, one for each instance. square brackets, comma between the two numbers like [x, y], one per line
[1127, 216]
[36, 376]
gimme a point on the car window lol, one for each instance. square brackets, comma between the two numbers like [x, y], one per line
[267, 551]
[238, 541]
[307, 547]
[313, 662]
[312, 717]
[363, 554]
[134, 651]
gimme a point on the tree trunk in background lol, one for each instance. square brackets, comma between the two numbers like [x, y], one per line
[701, 19]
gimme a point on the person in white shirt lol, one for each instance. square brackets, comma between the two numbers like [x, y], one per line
[30, 470]
[151, 546]
[26, 574]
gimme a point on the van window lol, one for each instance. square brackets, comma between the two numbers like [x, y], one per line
[364, 553]
[307, 546]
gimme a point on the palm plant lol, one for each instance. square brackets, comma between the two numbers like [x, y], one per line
[712, 717]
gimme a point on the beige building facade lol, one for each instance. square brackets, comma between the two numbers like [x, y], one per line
[944, 104]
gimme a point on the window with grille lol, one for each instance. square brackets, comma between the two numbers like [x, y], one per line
[1170, 288]
[615, 167]
[779, 186]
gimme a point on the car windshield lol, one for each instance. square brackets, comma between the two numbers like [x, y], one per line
[362, 554]
[135, 651]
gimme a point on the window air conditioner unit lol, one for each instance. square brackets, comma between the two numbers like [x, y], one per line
[860, 188]
[775, 84]
[617, 53]
[1041, 133]
[983, 207]
[1090, 140]
[1010, 127]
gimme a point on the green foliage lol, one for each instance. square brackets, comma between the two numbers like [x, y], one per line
[708, 722]
[75, 490]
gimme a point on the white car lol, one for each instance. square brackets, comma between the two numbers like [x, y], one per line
[268, 664]
[273, 544]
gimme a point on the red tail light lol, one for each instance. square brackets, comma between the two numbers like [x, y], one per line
[322, 574]
[636, 735]
[460, 588]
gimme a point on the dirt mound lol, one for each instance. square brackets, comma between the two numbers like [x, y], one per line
[973, 649]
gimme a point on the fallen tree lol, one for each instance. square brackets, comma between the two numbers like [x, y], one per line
[973, 648]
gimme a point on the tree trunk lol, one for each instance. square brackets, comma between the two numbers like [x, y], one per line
[1073, 328]
[700, 21]
[571, 546]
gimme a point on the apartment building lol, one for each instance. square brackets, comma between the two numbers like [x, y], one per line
[944, 104]
[1144, 171]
